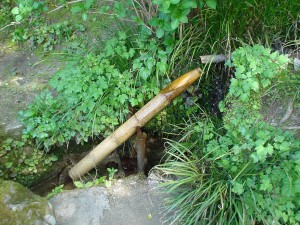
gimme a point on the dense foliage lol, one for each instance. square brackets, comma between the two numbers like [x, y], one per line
[93, 94]
[117, 55]
[246, 172]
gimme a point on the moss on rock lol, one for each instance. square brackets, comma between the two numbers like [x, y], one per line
[19, 206]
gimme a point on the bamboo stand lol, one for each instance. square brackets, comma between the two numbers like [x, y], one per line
[139, 119]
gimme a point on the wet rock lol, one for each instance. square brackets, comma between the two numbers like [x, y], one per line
[19, 206]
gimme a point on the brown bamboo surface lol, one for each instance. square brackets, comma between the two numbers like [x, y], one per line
[139, 119]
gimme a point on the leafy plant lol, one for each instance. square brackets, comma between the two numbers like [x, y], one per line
[175, 12]
[80, 184]
[28, 8]
[255, 68]
[21, 161]
[102, 90]
[83, 7]
[47, 36]
[247, 172]
[111, 174]
[55, 191]
[99, 181]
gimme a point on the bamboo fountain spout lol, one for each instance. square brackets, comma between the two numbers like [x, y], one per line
[139, 119]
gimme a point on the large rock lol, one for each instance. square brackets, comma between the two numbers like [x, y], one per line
[131, 200]
[19, 206]
[80, 206]
[134, 201]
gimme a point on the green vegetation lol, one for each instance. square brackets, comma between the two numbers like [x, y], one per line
[174, 13]
[103, 180]
[104, 85]
[55, 191]
[233, 168]
[107, 181]
[22, 161]
[245, 171]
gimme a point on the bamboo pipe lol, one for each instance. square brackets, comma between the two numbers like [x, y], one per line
[139, 119]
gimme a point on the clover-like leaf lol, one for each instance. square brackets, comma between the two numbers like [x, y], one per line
[238, 188]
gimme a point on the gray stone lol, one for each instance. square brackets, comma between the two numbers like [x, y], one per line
[130, 200]
[14, 125]
[134, 202]
[80, 206]
[19, 206]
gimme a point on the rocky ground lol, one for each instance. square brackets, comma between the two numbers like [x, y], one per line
[134, 200]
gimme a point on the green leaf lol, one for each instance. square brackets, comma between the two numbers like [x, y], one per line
[222, 106]
[284, 146]
[8, 165]
[188, 4]
[131, 52]
[19, 18]
[122, 35]
[15, 10]
[89, 184]
[144, 73]
[238, 188]
[174, 1]
[120, 9]
[54, 158]
[263, 151]
[88, 4]
[265, 82]
[84, 16]
[35, 5]
[165, 5]
[266, 184]
[78, 184]
[211, 4]
[183, 19]
[159, 32]
[76, 9]
[255, 85]
[174, 23]
[104, 9]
